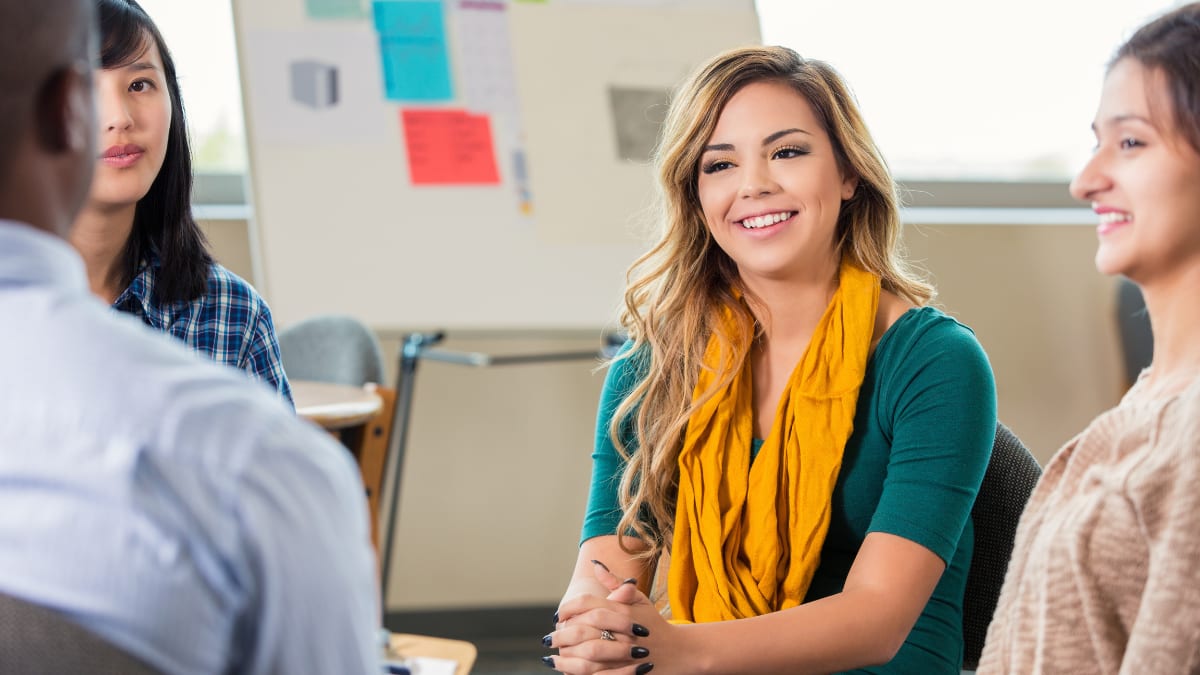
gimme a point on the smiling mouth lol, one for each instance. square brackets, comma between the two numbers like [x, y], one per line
[765, 220]
[1114, 218]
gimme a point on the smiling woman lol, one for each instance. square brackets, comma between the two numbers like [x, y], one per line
[776, 439]
[1102, 577]
[771, 191]
[145, 253]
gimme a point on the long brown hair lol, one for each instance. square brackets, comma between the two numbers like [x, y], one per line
[679, 291]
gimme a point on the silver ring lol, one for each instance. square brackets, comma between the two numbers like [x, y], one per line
[607, 635]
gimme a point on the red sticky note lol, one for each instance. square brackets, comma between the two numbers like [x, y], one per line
[449, 147]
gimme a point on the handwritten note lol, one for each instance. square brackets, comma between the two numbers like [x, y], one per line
[412, 47]
[485, 60]
[488, 81]
[449, 147]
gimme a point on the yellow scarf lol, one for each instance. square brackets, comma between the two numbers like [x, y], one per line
[748, 538]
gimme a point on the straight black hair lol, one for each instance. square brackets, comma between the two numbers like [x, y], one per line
[163, 225]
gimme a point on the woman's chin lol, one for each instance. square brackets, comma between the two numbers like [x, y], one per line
[1110, 262]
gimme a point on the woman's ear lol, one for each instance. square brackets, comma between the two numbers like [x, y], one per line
[66, 112]
[849, 185]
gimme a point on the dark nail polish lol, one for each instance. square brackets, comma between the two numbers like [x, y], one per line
[639, 652]
[556, 617]
[549, 661]
[644, 668]
[640, 630]
[630, 580]
[547, 641]
[597, 562]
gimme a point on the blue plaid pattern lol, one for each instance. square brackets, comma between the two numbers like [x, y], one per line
[230, 323]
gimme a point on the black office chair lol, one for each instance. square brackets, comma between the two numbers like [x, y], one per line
[35, 640]
[1133, 323]
[1011, 476]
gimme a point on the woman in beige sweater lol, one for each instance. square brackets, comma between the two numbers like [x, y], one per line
[1104, 577]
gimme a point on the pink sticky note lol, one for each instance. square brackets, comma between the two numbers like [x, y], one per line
[449, 147]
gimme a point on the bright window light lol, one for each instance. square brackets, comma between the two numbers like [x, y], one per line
[200, 36]
[952, 90]
[955, 90]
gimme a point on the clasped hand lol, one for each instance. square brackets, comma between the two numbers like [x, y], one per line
[620, 633]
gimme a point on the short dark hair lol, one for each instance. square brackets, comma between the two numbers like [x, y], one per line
[163, 224]
[37, 39]
[1171, 44]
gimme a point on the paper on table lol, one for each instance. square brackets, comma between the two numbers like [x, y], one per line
[425, 665]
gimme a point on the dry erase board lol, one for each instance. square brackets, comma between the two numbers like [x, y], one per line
[460, 163]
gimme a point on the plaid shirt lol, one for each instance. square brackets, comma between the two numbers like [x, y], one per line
[230, 323]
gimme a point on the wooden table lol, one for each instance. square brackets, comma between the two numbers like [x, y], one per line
[335, 406]
[405, 645]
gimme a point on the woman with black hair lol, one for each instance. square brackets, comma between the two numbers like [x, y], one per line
[144, 252]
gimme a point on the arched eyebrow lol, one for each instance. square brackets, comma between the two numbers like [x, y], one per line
[1121, 119]
[725, 147]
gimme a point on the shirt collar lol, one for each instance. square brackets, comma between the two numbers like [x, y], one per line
[29, 256]
[141, 289]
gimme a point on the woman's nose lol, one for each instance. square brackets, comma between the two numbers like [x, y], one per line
[756, 181]
[1092, 178]
[114, 113]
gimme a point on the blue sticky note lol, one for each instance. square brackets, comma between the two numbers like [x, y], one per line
[412, 47]
[410, 18]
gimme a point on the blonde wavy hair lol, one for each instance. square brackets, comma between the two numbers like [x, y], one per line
[679, 291]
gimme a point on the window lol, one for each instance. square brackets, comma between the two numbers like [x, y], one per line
[968, 91]
[200, 35]
[982, 95]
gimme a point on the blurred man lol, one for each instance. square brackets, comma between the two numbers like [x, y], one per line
[161, 501]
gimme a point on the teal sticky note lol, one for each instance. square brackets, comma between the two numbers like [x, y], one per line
[412, 47]
[337, 9]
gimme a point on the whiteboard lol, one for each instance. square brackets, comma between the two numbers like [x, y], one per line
[340, 226]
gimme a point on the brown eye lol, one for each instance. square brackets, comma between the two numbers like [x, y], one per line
[713, 167]
[789, 153]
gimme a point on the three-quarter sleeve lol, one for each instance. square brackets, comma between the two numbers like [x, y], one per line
[941, 400]
[603, 512]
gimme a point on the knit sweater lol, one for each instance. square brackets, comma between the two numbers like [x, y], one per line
[1105, 576]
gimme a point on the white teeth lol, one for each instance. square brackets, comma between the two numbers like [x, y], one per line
[765, 220]
[1115, 217]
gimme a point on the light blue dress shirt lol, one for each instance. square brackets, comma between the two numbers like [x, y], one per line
[164, 502]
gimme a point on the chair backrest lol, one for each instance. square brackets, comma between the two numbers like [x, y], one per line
[331, 348]
[1133, 323]
[1011, 476]
[340, 349]
[35, 640]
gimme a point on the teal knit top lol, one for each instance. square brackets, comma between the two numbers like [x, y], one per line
[923, 433]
